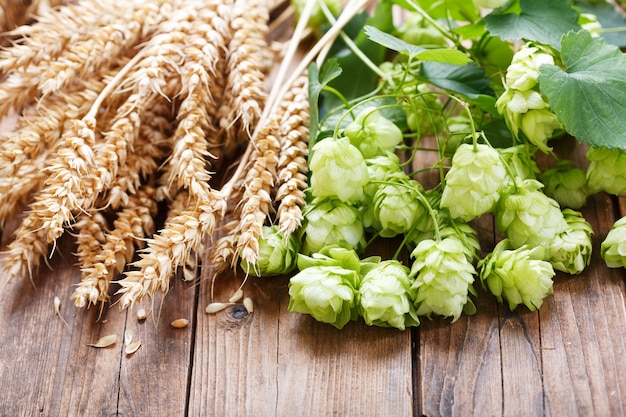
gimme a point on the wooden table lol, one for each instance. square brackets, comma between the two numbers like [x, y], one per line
[568, 359]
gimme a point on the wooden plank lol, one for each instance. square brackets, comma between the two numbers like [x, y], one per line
[46, 367]
[278, 363]
[154, 380]
[235, 371]
[583, 331]
[482, 365]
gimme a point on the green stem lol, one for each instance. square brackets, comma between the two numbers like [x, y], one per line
[354, 47]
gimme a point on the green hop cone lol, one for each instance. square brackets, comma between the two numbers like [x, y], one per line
[373, 134]
[396, 205]
[325, 292]
[337, 170]
[416, 30]
[613, 248]
[566, 184]
[570, 251]
[528, 217]
[540, 126]
[332, 222]
[466, 234]
[518, 276]
[473, 183]
[590, 23]
[333, 255]
[378, 168]
[459, 128]
[521, 160]
[443, 277]
[523, 72]
[385, 297]
[489, 4]
[424, 227]
[512, 104]
[424, 109]
[277, 255]
[606, 171]
[318, 18]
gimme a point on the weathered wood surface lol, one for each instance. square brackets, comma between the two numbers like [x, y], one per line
[567, 359]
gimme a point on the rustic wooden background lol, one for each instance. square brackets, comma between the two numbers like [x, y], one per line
[567, 359]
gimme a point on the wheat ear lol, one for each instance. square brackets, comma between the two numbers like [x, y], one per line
[133, 223]
[256, 200]
[292, 163]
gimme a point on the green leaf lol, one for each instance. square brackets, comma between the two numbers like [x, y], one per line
[317, 82]
[468, 81]
[537, 20]
[450, 56]
[589, 96]
[357, 79]
[457, 10]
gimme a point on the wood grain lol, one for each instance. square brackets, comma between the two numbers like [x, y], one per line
[277, 363]
[154, 381]
[47, 369]
[568, 359]
[584, 332]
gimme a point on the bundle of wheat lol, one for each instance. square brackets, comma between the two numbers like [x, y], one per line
[124, 106]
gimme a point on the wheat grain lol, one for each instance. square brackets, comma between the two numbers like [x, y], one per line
[151, 147]
[52, 208]
[91, 235]
[222, 253]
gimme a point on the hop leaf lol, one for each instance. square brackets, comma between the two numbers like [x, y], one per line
[606, 171]
[570, 251]
[277, 255]
[443, 277]
[528, 217]
[518, 276]
[474, 181]
[385, 296]
[337, 170]
[613, 248]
